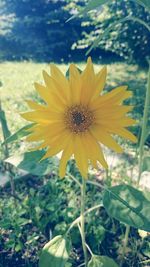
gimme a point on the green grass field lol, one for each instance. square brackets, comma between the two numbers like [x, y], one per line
[17, 80]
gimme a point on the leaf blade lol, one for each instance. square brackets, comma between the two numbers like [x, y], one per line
[107, 31]
[5, 129]
[30, 162]
[55, 253]
[92, 4]
[19, 134]
[144, 3]
[102, 261]
[128, 205]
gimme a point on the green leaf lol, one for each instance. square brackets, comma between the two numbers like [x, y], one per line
[146, 249]
[105, 34]
[19, 134]
[128, 205]
[93, 4]
[55, 253]
[18, 247]
[146, 164]
[109, 29]
[30, 162]
[68, 264]
[102, 261]
[6, 132]
[144, 3]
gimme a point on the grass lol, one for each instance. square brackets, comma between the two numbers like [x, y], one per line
[17, 80]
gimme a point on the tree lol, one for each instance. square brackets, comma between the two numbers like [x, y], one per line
[129, 40]
[39, 30]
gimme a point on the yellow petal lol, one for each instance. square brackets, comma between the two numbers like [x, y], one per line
[43, 92]
[88, 83]
[67, 153]
[55, 90]
[101, 158]
[49, 140]
[41, 132]
[33, 116]
[60, 81]
[40, 116]
[105, 138]
[80, 155]
[49, 97]
[96, 150]
[100, 81]
[34, 137]
[124, 122]
[35, 106]
[114, 97]
[112, 112]
[58, 75]
[126, 134]
[115, 94]
[90, 149]
[48, 81]
[57, 93]
[75, 84]
[57, 145]
[126, 95]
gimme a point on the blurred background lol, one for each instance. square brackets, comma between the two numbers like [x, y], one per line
[34, 202]
[37, 30]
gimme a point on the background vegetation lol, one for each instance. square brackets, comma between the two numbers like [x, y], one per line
[40, 205]
[37, 30]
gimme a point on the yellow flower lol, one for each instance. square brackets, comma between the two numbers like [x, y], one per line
[77, 118]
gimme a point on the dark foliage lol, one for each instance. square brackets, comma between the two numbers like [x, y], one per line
[38, 30]
[129, 40]
[45, 208]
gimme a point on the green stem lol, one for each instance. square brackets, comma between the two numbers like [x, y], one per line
[89, 250]
[144, 127]
[74, 179]
[77, 220]
[143, 262]
[6, 134]
[85, 243]
[4, 127]
[97, 184]
[140, 21]
[141, 152]
[83, 194]
[126, 238]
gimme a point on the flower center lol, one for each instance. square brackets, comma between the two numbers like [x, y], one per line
[78, 118]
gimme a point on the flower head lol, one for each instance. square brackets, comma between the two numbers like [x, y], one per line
[77, 118]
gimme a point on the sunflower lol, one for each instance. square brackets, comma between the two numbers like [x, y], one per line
[77, 118]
